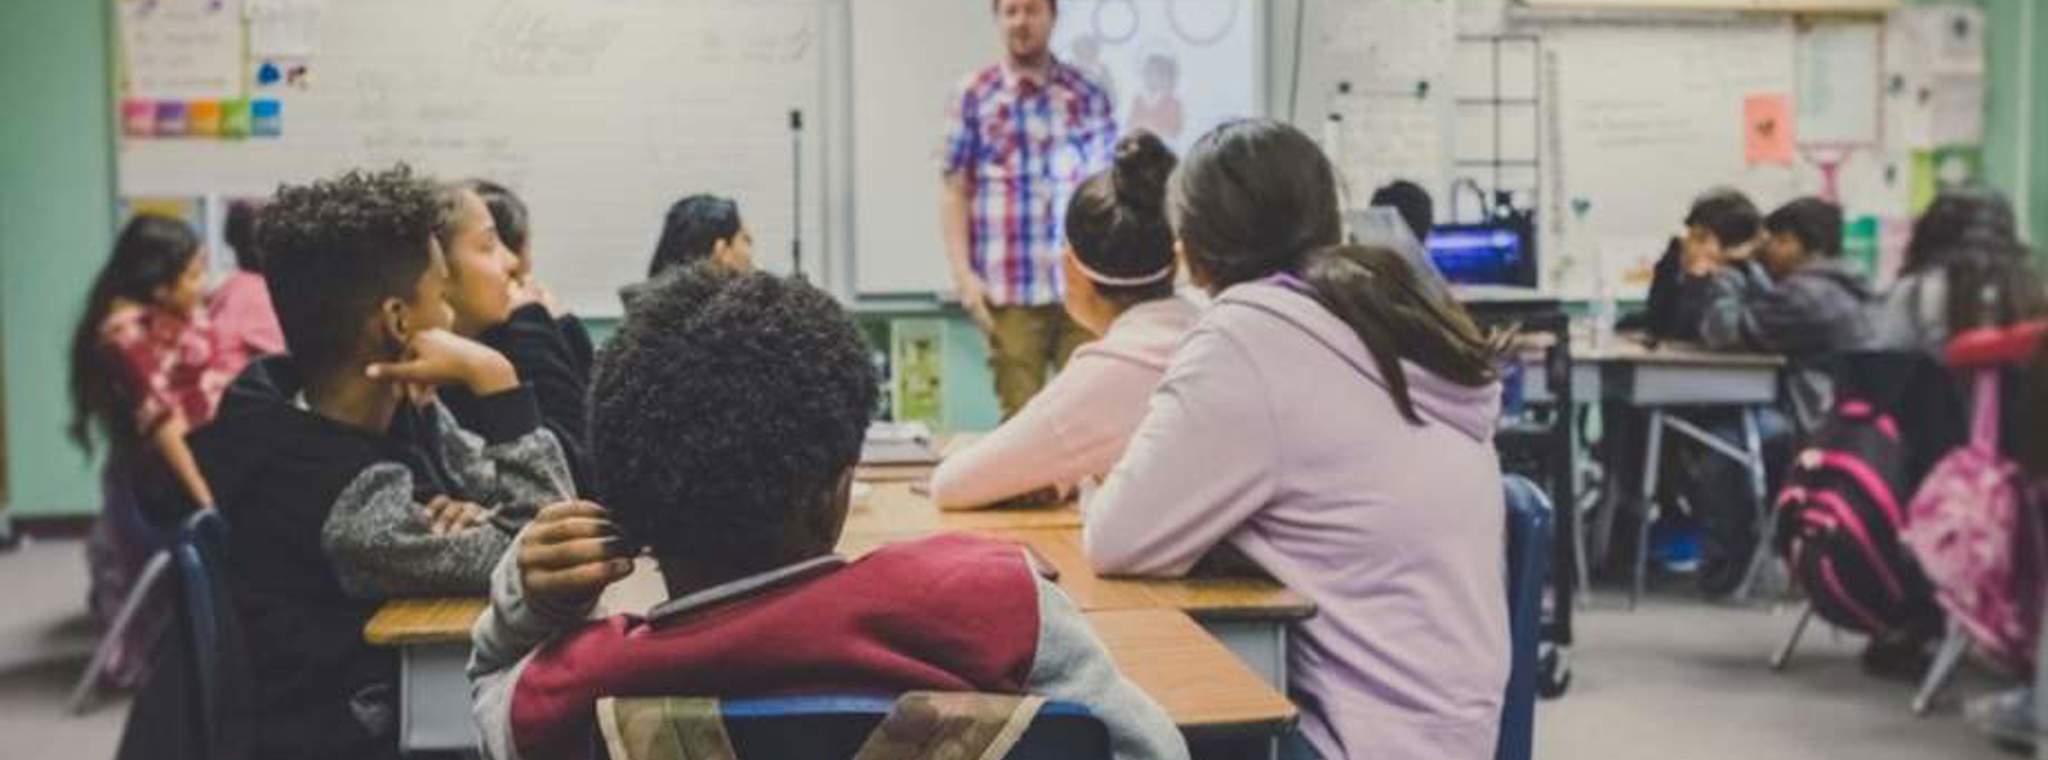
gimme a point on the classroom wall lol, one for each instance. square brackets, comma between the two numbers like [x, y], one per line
[56, 210]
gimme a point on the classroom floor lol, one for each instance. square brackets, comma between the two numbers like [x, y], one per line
[1677, 680]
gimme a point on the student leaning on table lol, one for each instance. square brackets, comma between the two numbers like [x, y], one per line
[727, 417]
[1120, 276]
[1333, 423]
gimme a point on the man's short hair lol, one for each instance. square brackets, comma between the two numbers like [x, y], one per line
[726, 409]
[1815, 222]
[336, 248]
[995, 5]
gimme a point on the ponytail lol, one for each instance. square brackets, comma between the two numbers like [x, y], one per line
[1376, 293]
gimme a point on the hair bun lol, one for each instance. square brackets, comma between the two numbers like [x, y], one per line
[1143, 164]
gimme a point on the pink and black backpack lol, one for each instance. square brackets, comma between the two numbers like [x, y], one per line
[1976, 528]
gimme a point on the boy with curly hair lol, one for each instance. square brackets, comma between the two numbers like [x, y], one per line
[344, 482]
[726, 418]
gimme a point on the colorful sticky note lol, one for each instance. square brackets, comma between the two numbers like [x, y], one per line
[138, 118]
[234, 118]
[170, 119]
[202, 118]
[266, 118]
[1767, 129]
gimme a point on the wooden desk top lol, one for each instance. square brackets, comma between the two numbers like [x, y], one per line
[1205, 598]
[1202, 686]
[1188, 672]
[1631, 349]
[896, 509]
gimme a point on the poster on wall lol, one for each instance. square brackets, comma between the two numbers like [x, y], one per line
[181, 50]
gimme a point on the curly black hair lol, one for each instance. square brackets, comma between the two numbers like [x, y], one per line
[337, 248]
[725, 412]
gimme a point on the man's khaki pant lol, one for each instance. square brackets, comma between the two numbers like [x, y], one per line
[1026, 346]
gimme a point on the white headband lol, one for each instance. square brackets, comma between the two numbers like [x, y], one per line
[1123, 282]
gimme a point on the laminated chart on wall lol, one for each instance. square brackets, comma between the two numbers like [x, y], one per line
[180, 50]
[1934, 77]
[1841, 84]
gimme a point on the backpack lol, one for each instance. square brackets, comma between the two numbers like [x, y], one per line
[1839, 516]
[1981, 541]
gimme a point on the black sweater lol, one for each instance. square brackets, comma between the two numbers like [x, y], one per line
[553, 358]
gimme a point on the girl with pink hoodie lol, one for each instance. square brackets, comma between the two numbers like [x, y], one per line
[1331, 420]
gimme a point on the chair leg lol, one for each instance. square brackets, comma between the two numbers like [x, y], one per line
[138, 597]
[1652, 457]
[1583, 592]
[1953, 647]
[1784, 656]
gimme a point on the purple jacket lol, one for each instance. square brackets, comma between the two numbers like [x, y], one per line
[1272, 433]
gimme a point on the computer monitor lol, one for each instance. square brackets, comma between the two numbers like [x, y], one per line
[1482, 254]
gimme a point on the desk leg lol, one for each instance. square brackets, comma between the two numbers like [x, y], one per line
[1767, 525]
[433, 702]
[1262, 646]
[1652, 458]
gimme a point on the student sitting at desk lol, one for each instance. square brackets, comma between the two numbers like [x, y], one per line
[726, 420]
[1120, 275]
[1722, 225]
[344, 483]
[516, 319]
[242, 316]
[1334, 424]
[1795, 296]
[514, 225]
[698, 228]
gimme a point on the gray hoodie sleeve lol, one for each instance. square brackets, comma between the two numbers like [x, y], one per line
[501, 644]
[380, 540]
[1074, 666]
[512, 466]
[382, 545]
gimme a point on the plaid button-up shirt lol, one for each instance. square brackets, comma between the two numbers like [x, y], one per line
[1024, 146]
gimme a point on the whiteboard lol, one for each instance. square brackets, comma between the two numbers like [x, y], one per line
[904, 74]
[1646, 117]
[600, 114]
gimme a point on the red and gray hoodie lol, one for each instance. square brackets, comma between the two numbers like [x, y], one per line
[949, 613]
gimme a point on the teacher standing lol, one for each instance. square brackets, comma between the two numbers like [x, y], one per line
[1021, 136]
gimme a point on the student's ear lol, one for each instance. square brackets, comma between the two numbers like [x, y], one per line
[394, 326]
[830, 520]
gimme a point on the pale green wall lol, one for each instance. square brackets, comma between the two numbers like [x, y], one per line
[56, 214]
[56, 162]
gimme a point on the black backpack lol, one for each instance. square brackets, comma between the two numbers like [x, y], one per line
[1839, 516]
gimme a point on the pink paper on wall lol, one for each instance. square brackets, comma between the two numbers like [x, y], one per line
[1767, 129]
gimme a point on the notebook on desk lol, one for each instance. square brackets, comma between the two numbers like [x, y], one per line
[898, 444]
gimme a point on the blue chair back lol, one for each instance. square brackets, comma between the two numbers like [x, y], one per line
[200, 555]
[1529, 528]
[835, 727]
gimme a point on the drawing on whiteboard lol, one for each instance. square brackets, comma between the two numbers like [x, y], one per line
[518, 38]
[1118, 21]
[1132, 50]
[1157, 107]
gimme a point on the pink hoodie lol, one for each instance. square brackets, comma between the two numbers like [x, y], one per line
[1079, 425]
[244, 320]
[1272, 432]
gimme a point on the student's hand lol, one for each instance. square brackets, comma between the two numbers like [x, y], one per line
[446, 515]
[974, 298]
[570, 553]
[1701, 264]
[530, 291]
[439, 357]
